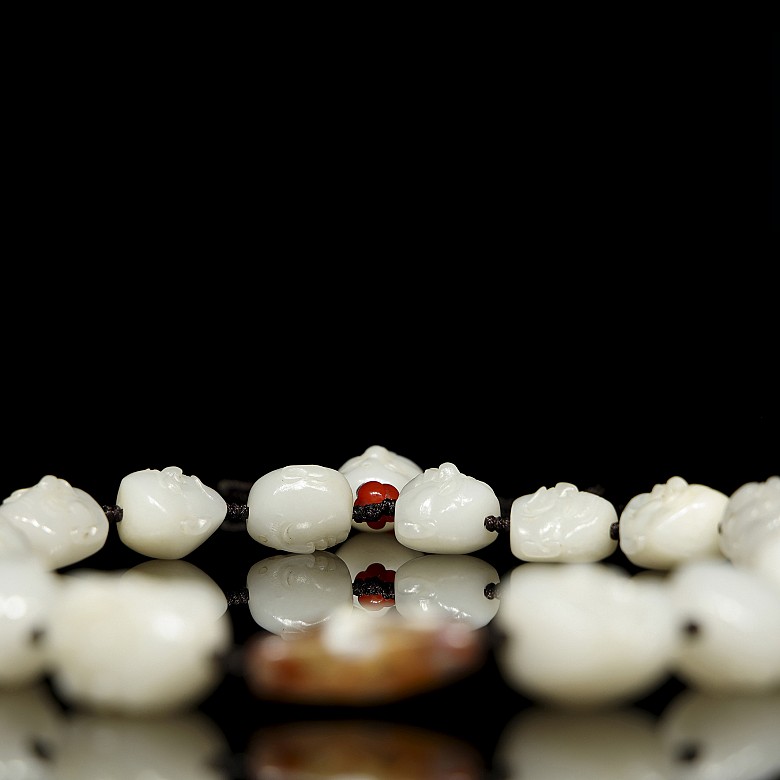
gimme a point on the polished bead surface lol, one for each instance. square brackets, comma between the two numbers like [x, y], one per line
[134, 644]
[561, 524]
[64, 524]
[13, 541]
[300, 508]
[167, 514]
[378, 464]
[729, 619]
[750, 528]
[766, 561]
[444, 511]
[584, 634]
[674, 522]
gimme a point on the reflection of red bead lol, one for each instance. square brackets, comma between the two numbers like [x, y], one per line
[380, 523]
[376, 571]
[379, 571]
[375, 601]
[374, 492]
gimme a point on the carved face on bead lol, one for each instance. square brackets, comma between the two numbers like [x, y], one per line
[562, 524]
[673, 523]
[62, 523]
[444, 511]
[751, 518]
[167, 514]
[300, 508]
[378, 464]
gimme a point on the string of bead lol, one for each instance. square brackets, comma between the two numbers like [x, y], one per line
[726, 549]
[237, 514]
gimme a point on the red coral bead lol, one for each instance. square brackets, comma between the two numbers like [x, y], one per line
[374, 492]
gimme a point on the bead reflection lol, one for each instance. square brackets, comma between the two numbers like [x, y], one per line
[448, 589]
[359, 749]
[551, 744]
[721, 737]
[28, 594]
[584, 634]
[39, 740]
[31, 733]
[734, 612]
[364, 554]
[136, 644]
[295, 592]
[96, 748]
[324, 649]
[184, 575]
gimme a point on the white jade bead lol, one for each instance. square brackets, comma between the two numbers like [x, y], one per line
[378, 464]
[444, 511]
[13, 541]
[584, 634]
[64, 524]
[733, 614]
[166, 514]
[715, 737]
[446, 589]
[750, 528]
[673, 523]
[134, 644]
[28, 590]
[291, 594]
[300, 508]
[766, 561]
[561, 524]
